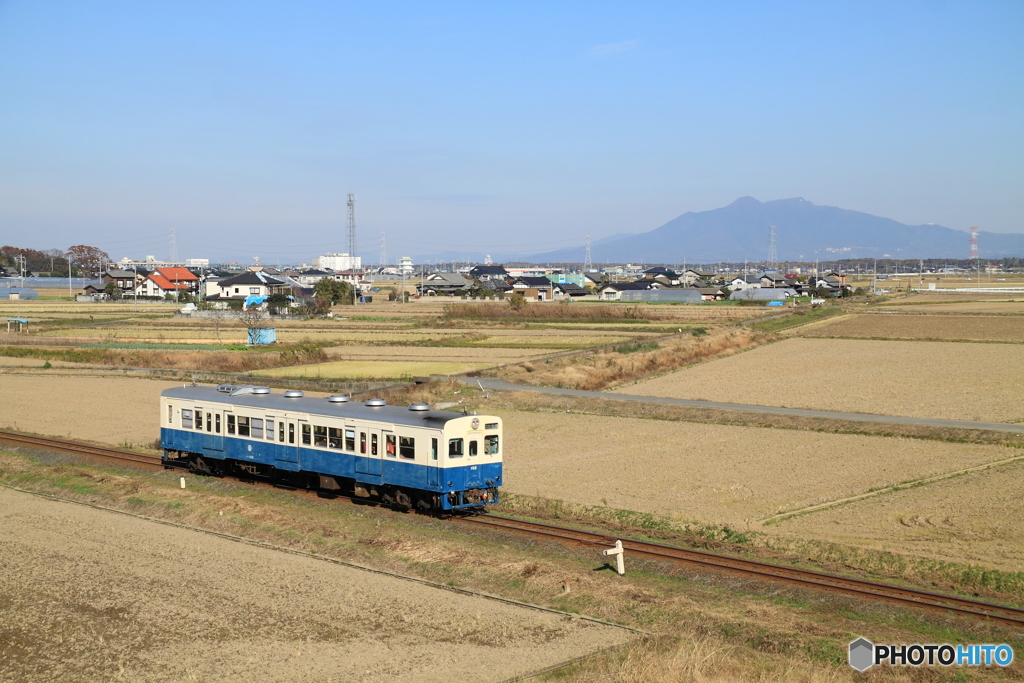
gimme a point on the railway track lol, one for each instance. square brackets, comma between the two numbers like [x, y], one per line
[575, 537]
[761, 570]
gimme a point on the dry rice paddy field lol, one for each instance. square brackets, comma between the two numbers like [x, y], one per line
[976, 518]
[712, 473]
[895, 326]
[949, 380]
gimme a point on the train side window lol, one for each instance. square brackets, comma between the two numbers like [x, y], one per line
[389, 445]
[216, 423]
[491, 444]
[270, 430]
[433, 449]
[362, 443]
[199, 420]
[319, 436]
[186, 418]
[231, 423]
[170, 414]
[373, 444]
[291, 433]
[243, 425]
[209, 422]
[280, 432]
[257, 428]
[491, 425]
[306, 439]
[454, 448]
[334, 438]
[473, 447]
[407, 447]
[350, 440]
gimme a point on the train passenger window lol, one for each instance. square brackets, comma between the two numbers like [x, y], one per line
[243, 425]
[491, 444]
[433, 449]
[389, 445]
[407, 447]
[280, 432]
[170, 414]
[186, 418]
[257, 428]
[319, 436]
[231, 423]
[491, 425]
[270, 430]
[350, 440]
[209, 423]
[454, 448]
[473, 447]
[373, 444]
[334, 438]
[306, 438]
[199, 420]
[362, 442]
[216, 423]
[291, 433]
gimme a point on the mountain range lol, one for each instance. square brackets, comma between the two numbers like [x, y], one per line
[804, 232]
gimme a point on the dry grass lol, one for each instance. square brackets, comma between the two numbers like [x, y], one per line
[949, 380]
[610, 367]
[952, 327]
[563, 310]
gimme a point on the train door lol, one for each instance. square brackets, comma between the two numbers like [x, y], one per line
[213, 437]
[434, 465]
[368, 460]
[289, 451]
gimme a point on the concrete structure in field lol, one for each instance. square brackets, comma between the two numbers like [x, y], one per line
[336, 262]
[683, 296]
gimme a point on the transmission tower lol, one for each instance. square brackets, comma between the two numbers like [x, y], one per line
[588, 263]
[174, 246]
[383, 249]
[974, 242]
[773, 257]
[352, 227]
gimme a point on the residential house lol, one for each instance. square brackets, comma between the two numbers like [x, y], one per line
[612, 291]
[710, 293]
[568, 290]
[124, 279]
[539, 288]
[741, 282]
[308, 278]
[240, 286]
[436, 284]
[770, 278]
[690, 275]
[488, 272]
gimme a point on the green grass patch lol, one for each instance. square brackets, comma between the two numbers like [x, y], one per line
[798, 318]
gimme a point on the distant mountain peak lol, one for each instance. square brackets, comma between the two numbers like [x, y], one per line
[746, 201]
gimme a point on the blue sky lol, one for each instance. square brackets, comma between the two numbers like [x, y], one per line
[477, 127]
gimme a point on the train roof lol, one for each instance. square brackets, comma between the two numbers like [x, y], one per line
[402, 415]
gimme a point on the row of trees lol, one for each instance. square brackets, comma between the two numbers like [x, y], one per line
[84, 258]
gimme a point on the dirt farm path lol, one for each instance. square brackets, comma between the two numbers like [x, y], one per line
[88, 594]
[501, 385]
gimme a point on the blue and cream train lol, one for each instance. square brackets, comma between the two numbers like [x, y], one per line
[405, 456]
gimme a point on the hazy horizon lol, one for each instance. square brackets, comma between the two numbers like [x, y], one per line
[494, 129]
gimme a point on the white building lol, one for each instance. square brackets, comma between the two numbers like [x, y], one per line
[405, 266]
[338, 262]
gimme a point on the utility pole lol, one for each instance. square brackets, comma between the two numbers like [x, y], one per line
[352, 246]
[69, 277]
[383, 250]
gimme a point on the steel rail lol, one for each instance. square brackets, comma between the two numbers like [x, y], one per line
[765, 570]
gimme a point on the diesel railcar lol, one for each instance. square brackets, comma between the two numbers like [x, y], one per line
[412, 457]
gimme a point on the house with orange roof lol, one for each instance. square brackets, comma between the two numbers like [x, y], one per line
[164, 281]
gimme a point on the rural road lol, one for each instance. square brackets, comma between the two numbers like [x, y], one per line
[500, 385]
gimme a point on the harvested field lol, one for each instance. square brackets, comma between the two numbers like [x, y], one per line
[94, 595]
[459, 354]
[711, 473]
[1008, 306]
[917, 379]
[373, 369]
[997, 328]
[976, 518]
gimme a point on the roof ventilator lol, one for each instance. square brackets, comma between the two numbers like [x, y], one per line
[293, 393]
[419, 407]
[337, 398]
[375, 402]
[225, 388]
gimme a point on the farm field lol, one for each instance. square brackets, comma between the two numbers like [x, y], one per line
[95, 595]
[1006, 306]
[711, 473]
[373, 369]
[976, 518]
[917, 379]
[954, 327]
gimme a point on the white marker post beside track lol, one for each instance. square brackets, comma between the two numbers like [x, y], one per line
[617, 551]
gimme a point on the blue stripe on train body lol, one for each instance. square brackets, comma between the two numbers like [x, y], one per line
[470, 473]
